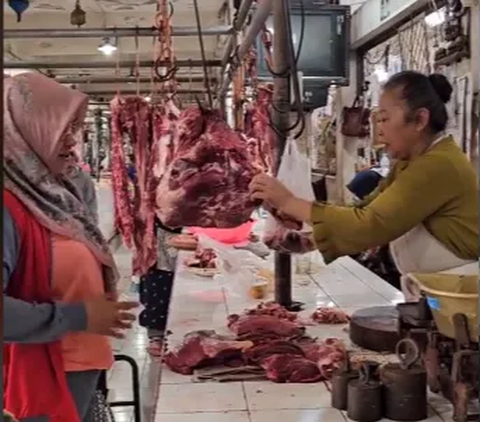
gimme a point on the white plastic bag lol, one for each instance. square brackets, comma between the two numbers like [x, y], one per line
[238, 269]
[294, 173]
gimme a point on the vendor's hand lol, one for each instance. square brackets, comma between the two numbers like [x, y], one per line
[270, 190]
[108, 317]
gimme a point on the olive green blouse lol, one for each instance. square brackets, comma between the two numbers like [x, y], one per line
[438, 189]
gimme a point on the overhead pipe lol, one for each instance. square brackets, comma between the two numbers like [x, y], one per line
[259, 18]
[188, 31]
[119, 80]
[104, 64]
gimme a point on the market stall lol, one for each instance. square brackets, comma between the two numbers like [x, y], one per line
[200, 303]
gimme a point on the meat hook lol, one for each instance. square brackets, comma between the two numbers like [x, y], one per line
[168, 76]
[202, 49]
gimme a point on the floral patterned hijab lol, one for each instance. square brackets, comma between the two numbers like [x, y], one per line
[37, 112]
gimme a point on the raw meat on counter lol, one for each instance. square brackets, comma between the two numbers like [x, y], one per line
[267, 337]
[330, 316]
[289, 241]
[263, 324]
[291, 368]
[203, 258]
[204, 348]
[206, 182]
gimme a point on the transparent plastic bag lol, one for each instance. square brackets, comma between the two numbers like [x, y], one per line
[294, 173]
[239, 270]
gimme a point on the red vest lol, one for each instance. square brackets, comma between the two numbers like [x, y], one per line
[34, 379]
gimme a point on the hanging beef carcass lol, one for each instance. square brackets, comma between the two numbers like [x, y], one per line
[257, 124]
[134, 213]
[206, 182]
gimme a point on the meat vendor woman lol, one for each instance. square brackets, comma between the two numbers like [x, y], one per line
[426, 210]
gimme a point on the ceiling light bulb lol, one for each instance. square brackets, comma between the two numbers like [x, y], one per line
[148, 98]
[106, 47]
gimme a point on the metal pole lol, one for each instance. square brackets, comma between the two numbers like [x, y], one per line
[281, 97]
[120, 80]
[258, 21]
[238, 23]
[189, 31]
[103, 64]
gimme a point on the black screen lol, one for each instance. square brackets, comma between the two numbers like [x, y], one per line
[324, 52]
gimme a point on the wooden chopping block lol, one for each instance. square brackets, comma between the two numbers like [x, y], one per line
[375, 328]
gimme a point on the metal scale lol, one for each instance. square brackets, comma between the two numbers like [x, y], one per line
[451, 364]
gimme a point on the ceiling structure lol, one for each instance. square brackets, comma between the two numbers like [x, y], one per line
[51, 15]
[87, 63]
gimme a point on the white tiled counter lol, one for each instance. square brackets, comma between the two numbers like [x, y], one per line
[202, 303]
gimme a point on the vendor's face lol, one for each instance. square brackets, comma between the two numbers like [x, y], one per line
[398, 134]
[65, 158]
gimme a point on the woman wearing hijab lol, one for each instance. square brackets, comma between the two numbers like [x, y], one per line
[84, 183]
[57, 314]
[426, 209]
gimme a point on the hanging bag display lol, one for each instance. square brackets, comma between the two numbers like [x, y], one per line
[356, 120]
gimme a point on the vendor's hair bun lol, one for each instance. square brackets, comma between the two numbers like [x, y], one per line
[442, 86]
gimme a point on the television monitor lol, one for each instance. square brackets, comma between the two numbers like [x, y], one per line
[326, 42]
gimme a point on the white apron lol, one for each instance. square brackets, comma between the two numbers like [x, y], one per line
[419, 252]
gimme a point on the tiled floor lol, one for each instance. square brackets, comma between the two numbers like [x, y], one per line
[202, 303]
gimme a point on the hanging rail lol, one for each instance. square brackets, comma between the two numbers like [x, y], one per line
[115, 80]
[102, 64]
[188, 31]
[258, 21]
[143, 91]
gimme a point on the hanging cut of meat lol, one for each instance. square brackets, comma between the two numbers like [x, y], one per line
[206, 182]
[134, 213]
[257, 124]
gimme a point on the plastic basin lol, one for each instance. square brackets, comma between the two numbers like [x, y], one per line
[233, 236]
[447, 295]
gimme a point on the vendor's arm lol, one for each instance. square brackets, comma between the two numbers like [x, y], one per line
[411, 198]
[25, 322]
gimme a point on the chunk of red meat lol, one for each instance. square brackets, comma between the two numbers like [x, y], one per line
[206, 182]
[256, 324]
[134, 214]
[203, 258]
[330, 316]
[259, 353]
[257, 125]
[289, 241]
[331, 356]
[291, 368]
[204, 348]
[272, 309]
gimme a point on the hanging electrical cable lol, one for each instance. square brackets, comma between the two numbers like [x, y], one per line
[294, 78]
[202, 49]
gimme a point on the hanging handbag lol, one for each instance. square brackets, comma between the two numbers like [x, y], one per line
[356, 120]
